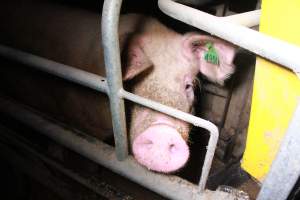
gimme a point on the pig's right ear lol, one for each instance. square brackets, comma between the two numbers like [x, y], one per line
[136, 61]
[196, 49]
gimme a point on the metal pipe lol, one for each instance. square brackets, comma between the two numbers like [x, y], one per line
[72, 74]
[285, 169]
[14, 141]
[261, 44]
[248, 19]
[98, 83]
[169, 186]
[110, 42]
[195, 2]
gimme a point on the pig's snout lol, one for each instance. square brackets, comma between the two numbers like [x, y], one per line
[161, 148]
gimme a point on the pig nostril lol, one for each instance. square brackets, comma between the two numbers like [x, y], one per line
[160, 148]
[172, 148]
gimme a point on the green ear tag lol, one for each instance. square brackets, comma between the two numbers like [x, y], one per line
[211, 55]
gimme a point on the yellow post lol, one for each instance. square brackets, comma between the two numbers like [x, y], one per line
[276, 90]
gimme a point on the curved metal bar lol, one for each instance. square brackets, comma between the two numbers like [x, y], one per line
[213, 130]
[248, 19]
[261, 44]
[110, 42]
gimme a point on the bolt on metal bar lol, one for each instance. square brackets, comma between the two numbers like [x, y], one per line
[99, 83]
[261, 44]
[110, 42]
[169, 186]
[285, 169]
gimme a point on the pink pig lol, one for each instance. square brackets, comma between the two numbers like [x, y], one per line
[158, 64]
[171, 62]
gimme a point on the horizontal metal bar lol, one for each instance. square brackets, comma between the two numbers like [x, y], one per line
[111, 50]
[285, 169]
[194, 2]
[261, 44]
[248, 19]
[98, 83]
[196, 121]
[169, 186]
[72, 74]
[11, 141]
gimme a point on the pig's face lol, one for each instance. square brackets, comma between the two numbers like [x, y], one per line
[167, 64]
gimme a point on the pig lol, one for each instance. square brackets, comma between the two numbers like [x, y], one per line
[157, 63]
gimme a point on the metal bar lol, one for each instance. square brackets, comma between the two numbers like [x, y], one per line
[72, 74]
[285, 169]
[248, 19]
[169, 186]
[98, 83]
[261, 44]
[12, 141]
[194, 2]
[110, 42]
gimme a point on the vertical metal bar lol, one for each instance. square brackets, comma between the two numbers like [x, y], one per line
[110, 42]
[285, 169]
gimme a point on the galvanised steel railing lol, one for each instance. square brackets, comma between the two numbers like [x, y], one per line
[118, 159]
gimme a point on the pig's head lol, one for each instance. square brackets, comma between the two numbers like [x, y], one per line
[163, 66]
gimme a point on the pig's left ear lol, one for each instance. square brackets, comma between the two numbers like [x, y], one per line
[136, 61]
[213, 57]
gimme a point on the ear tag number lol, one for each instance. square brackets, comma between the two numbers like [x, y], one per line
[211, 54]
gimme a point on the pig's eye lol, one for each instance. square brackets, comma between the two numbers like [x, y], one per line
[189, 91]
[188, 87]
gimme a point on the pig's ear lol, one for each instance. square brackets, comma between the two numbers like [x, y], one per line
[217, 68]
[136, 62]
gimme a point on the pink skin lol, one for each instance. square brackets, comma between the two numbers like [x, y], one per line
[194, 47]
[189, 88]
[161, 148]
[159, 141]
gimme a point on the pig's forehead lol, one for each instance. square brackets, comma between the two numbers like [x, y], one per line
[172, 61]
[173, 79]
[166, 54]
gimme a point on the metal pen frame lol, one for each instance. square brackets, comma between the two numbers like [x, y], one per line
[118, 159]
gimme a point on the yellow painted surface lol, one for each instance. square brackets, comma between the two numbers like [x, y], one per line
[276, 90]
